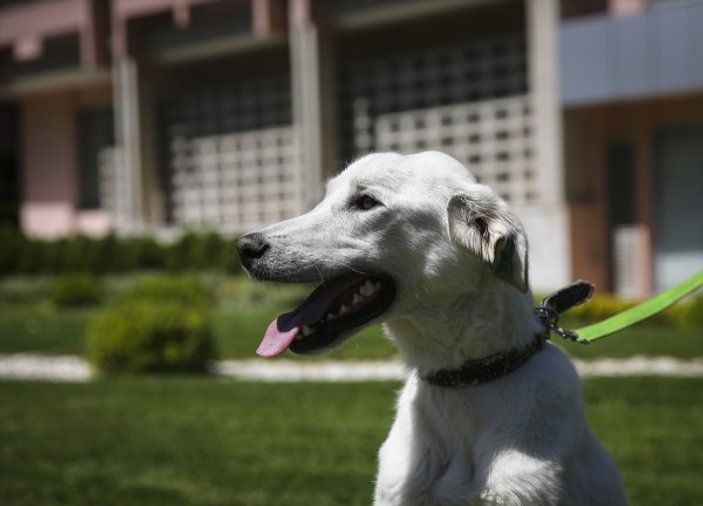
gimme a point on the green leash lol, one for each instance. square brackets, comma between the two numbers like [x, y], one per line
[641, 311]
[581, 291]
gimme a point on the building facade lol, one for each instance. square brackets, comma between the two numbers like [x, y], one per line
[632, 101]
[159, 115]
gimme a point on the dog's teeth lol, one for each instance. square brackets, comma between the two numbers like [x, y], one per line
[306, 330]
[375, 287]
[366, 289]
[331, 316]
[343, 309]
[357, 298]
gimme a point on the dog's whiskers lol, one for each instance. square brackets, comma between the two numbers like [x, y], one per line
[363, 273]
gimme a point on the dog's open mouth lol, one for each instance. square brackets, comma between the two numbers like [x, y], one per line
[330, 314]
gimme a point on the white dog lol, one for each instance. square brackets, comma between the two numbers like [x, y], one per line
[490, 413]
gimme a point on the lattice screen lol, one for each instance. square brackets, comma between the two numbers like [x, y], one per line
[468, 99]
[236, 181]
[227, 156]
[492, 137]
[96, 137]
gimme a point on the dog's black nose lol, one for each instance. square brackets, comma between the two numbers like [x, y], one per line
[251, 247]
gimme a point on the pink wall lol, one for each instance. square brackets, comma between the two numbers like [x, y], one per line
[49, 157]
[50, 179]
[50, 167]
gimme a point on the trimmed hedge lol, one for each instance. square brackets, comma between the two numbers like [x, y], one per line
[112, 254]
[159, 326]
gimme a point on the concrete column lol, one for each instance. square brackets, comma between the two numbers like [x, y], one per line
[129, 206]
[312, 75]
[547, 221]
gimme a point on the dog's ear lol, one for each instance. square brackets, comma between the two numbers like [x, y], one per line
[483, 223]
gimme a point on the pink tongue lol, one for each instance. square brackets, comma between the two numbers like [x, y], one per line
[276, 341]
[282, 331]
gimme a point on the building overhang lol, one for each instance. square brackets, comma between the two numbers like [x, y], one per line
[654, 53]
[350, 15]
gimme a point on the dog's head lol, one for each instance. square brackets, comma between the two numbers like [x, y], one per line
[394, 235]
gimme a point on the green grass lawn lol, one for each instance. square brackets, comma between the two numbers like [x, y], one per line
[180, 441]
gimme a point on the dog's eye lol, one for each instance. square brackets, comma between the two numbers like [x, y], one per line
[364, 203]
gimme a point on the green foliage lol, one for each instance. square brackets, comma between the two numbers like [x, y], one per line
[244, 309]
[112, 254]
[206, 251]
[75, 290]
[12, 246]
[601, 306]
[185, 289]
[160, 325]
[144, 335]
[691, 315]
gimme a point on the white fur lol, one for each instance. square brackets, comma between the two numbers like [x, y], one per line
[518, 440]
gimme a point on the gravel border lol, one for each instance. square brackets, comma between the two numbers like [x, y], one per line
[68, 368]
[26, 366]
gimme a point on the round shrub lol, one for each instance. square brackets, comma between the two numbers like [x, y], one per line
[75, 290]
[150, 336]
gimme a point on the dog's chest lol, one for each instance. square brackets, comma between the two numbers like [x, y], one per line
[429, 451]
[445, 419]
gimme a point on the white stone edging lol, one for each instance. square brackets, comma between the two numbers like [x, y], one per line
[68, 368]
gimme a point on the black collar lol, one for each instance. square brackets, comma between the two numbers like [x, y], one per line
[483, 370]
[477, 371]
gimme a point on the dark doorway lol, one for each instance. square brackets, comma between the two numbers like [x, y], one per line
[9, 163]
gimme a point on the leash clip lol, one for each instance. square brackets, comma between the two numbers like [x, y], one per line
[560, 301]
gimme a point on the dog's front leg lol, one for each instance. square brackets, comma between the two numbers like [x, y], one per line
[406, 472]
[402, 480]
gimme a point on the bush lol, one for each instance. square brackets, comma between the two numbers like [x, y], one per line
[187, 290]
[603, 306]
[75, 290]
[600, 307]
[691, 315]
[150, 336]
